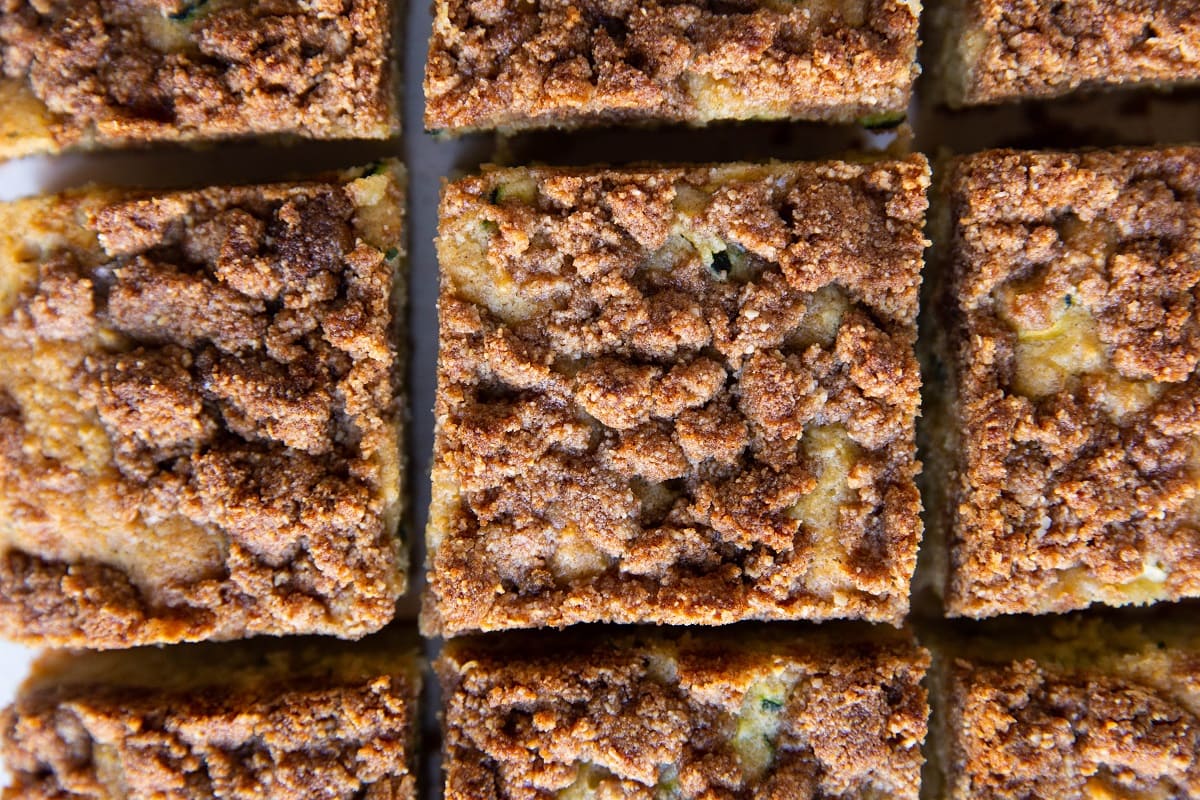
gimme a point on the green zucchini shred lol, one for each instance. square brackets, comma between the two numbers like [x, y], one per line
[189, 11]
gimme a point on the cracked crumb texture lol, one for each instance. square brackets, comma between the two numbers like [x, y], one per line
[1004, 50]
[511, 64]
[676, 395]
[84, 73]
[720, 715]
[199, 412]
[1074, 347]
[287, 720]
[1085, 711]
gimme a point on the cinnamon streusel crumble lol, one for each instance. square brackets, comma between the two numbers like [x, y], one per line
[678, 395]
[105, 73]
[285, 719]
[747, 713]
[1004, 50]
[1073, 339]
[1083, 710]
[511, 64]
[200, 413]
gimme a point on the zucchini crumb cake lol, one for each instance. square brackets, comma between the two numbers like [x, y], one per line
[285, 719]
[676, 395]
[765, 714]
[121, 72]
[1073, 343]
[200, 412]
[1082, 709]
[512, 64]
[1004, 50]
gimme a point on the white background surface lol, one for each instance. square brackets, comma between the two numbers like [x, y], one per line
[1102, 121]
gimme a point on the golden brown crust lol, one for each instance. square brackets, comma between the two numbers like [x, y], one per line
[1019, 49]
[510, 64]
[613, 442]
[655, 716]
[1111, 726]
[114, 72]
[210, 449]
[337, 731]
[1082, 489]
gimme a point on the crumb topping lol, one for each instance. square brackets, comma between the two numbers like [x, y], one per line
[505, 63]
[1031, 49]
[1026, 730]
[615, 354]
[137, 70]
[1076, 278]
[184, 456]
[329, 737]
[689, 718]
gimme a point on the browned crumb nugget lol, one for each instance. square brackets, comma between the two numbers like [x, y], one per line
[199, 412]
[770, 715]
[103, 73]
[678, 395]
[1002, 50]
[288, 721]
[512, 64]
[1074, 344]
[1085, 711]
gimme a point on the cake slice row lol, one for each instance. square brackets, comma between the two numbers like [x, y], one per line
[112, 73]
[517, 65]
[1076, 708]
[684, 395]
[688, 395]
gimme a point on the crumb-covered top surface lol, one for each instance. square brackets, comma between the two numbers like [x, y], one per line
[1006, 50]
[690, 717]
[1077, 340]
[304, 721]
[682, 395]
[1102, 713]
[198, 413]
[504, 63]
[117, 71]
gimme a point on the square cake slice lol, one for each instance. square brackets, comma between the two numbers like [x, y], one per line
[264, 719]
[1072, 337]
[774, 714]
[200, 412]
[111, 73]
[676, 395]
[514, 64]
[995, 51]
[1081, 710]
